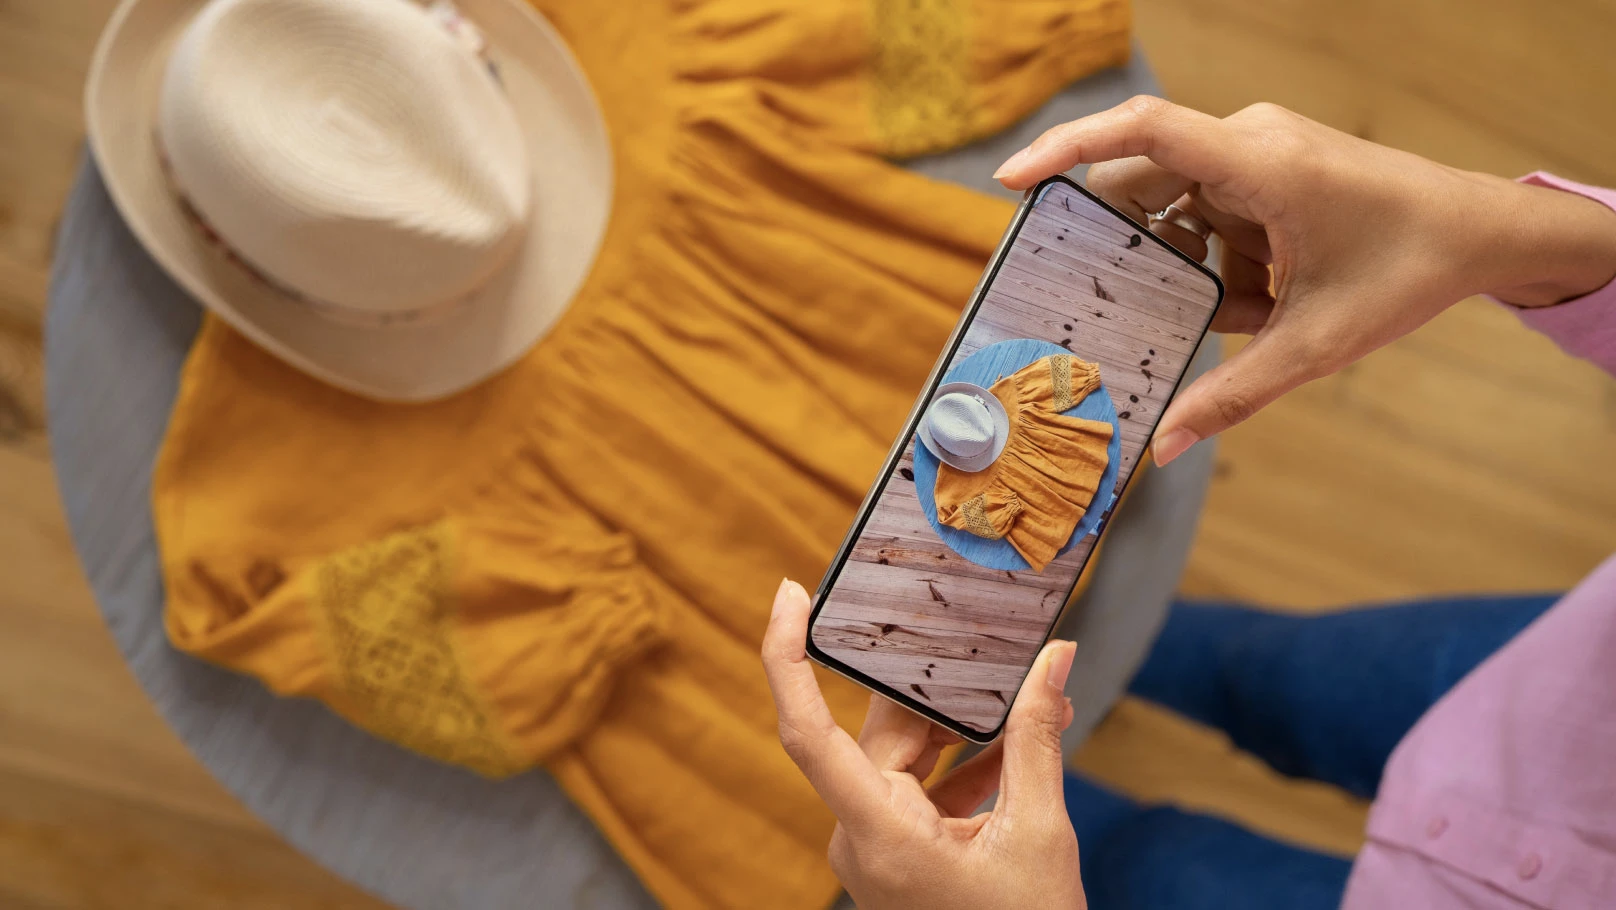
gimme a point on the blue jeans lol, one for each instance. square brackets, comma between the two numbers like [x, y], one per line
[1325, 697]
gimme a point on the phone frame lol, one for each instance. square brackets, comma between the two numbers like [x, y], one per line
[1029, 200]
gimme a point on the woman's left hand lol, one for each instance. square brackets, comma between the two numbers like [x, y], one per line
[900, 844]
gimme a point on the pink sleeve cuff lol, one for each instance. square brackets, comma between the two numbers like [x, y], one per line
[1583, 326]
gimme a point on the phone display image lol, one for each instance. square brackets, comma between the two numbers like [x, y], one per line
[1054, 441]
[975, 536]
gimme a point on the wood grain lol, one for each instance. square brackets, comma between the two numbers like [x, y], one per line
[909, 611]
[67, 846]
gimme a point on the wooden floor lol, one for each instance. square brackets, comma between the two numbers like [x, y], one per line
[1468, 457]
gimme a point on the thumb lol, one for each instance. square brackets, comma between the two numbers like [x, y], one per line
[1273, 363]
[1030, 782]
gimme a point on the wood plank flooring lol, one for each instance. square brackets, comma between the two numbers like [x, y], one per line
[1470, 456]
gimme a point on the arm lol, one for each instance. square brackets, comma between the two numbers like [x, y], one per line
[1573, 299]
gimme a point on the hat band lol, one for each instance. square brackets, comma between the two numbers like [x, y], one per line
[336, 312]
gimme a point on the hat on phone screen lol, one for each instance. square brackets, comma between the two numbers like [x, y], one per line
[965, 426]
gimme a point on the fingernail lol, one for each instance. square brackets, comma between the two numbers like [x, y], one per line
[1172, 444]
[1010, 164]
[780, 594]
[1060, 663]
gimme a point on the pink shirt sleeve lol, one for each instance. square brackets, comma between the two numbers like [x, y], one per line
[1584, 326]
[1502, 795]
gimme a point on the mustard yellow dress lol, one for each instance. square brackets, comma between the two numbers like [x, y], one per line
[1040, 487]
[571, 564]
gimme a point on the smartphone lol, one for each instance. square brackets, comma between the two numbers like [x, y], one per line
[1027, 432]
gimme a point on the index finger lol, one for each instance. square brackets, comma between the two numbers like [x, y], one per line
[1186, 142]
[834, 764]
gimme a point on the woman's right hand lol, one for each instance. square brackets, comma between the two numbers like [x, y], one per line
[1366, 243]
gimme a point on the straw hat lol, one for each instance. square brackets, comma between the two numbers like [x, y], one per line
[368, 189]
[965, 426]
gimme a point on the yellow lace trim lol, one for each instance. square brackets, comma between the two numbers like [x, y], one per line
[1060, 375]
[385, 607]
[920, 75]
[975, 513]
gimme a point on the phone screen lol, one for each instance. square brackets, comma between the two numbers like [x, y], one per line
[1019, 448]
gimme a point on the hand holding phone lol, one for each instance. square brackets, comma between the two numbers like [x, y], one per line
[1332, 246]
[1024, 438]
[899, 844]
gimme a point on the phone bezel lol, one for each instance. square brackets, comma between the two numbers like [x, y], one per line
[946, 357]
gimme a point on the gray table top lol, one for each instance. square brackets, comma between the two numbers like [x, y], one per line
[414, 832]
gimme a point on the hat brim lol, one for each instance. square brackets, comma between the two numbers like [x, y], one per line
[1001, 429]
[572, 192]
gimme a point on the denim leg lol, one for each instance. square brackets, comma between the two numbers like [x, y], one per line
[1160, 858]
[1324, 696]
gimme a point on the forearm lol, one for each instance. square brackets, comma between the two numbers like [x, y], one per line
[1537, 246]
[1550, 253]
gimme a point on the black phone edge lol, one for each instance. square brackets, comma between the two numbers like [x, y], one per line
[1029, 199]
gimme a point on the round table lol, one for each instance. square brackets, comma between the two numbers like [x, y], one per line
[417, 833]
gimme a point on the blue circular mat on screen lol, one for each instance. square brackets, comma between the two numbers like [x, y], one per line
[984, 368]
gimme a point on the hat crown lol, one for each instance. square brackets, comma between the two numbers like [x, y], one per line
[961, 424]
[352, 151]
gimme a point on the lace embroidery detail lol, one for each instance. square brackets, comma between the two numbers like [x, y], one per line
[1060, 376]
[975, 512]
[920, 75]
[385, 608]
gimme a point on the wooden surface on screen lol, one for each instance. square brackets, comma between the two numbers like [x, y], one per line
[911, 613]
